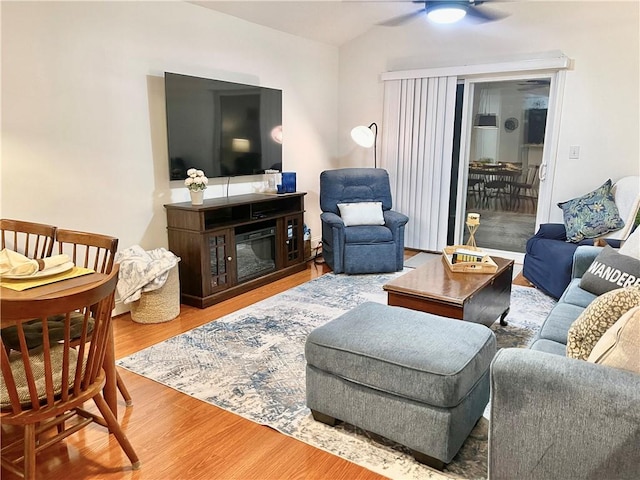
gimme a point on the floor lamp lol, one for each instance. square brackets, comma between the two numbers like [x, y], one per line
[365, 137]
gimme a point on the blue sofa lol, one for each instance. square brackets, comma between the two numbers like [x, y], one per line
[549, 257]
[360, 248]
[557, 417]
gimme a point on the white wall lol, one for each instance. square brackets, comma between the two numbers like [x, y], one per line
[601, 102]
[83, 127]
[83, 119]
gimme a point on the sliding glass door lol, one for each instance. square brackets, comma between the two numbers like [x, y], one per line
[474, 138]
[502, 161]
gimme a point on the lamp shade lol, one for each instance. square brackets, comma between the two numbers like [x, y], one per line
[276, 134]
[240, 145]
[363, 136]
[486, 120]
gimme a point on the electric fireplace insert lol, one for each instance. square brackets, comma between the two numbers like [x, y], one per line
[255, 253]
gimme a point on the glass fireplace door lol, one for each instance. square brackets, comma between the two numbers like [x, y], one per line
[255, 253]
[220, 260]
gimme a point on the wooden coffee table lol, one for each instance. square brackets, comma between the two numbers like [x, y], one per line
[473, 297]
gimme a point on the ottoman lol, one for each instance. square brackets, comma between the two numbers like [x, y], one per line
[415, 378]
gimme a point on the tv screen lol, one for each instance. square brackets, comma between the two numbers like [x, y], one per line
[222, 128]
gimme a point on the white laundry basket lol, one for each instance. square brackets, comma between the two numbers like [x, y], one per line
[161, 305]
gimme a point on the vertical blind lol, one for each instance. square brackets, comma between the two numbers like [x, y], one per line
[419, 114]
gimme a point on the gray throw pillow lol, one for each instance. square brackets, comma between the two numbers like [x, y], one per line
[611, 270]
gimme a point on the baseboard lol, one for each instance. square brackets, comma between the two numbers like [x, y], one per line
[120, 308]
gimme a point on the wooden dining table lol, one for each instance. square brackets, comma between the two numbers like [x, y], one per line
[60, 289]
[495, 170]
[498, 176]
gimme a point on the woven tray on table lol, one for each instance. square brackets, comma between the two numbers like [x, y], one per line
[486, 265]
[159, 305]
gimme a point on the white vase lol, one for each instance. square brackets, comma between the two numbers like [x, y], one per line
[196, 197]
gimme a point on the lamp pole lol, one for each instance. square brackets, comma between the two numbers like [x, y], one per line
[375, 144]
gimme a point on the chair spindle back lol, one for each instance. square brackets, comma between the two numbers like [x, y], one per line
[33, 240]
[89, 250]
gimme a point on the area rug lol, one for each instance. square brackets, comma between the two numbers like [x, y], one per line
[252, 363]
[419, 259]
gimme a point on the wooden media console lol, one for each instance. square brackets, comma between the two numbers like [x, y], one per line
[231, 245]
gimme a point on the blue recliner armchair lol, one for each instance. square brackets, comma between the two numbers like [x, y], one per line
[549, 256]
[360, 248]
[547, 263]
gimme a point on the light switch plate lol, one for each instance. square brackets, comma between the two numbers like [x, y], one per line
[574, 152]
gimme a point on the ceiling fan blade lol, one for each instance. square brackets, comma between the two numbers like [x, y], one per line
[394, 22]
[482, 14]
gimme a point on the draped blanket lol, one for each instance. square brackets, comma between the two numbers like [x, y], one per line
[143, 271]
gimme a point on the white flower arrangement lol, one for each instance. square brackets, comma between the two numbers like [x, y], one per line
[196, 181]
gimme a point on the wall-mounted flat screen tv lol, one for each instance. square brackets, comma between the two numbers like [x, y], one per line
[222, 128]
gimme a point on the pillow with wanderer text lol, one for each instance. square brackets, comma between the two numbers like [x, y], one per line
[611, 270]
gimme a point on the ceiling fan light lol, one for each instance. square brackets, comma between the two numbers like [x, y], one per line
[446, 13]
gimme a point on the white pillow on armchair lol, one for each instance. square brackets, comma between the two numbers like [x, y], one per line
[361, 213]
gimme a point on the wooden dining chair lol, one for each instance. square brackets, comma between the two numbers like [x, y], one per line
[33, 240]
[495, 193]
[527, 188]
[475, 184]
[43, 389]
[97, 252]
[89, 250]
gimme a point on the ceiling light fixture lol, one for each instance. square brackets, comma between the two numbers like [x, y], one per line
[444, 12]
[486, 120]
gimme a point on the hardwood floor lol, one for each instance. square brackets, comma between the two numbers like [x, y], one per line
[180, 437]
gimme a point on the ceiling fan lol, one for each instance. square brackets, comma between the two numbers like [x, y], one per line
[536, 84]
[449, 11]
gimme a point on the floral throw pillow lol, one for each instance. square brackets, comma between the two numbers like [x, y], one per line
[591, 215]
